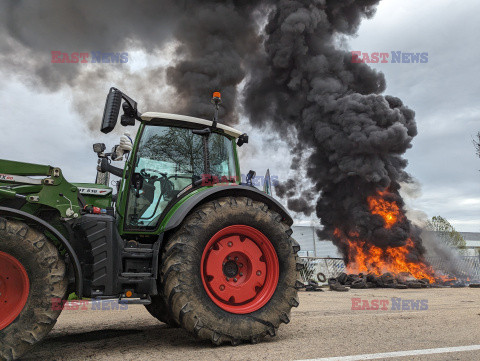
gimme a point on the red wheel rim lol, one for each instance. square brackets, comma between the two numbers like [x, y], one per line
[239, 269]
[14, 289]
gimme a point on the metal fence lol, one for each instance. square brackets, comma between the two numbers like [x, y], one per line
[332, 267]
[467, 265]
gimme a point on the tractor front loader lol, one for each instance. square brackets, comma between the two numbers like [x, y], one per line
[179, 233]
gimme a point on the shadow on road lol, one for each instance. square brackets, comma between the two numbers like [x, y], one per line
[100, 344]
[91, 336]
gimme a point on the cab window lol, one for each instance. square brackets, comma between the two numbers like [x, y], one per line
[167, 161]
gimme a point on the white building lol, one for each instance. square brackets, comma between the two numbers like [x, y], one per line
[472, 240]
[311, 245]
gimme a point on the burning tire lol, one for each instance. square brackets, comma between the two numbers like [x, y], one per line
[230, 272]
[31, 275]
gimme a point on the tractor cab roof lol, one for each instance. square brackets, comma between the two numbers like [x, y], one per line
[186, 120]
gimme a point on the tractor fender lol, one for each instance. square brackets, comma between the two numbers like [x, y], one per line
[70, 251]
[225, 191]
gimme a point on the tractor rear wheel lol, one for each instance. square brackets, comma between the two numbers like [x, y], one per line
[32, 275]
[230, 271]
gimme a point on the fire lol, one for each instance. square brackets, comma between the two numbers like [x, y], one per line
[363, 257]
[389, 211]
[366, 258]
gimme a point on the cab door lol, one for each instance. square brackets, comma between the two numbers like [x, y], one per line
[167, 160]
[166, 164]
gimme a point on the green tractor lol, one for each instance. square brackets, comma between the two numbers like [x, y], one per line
[183, 234]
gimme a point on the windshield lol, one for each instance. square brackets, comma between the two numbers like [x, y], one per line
[167, 162]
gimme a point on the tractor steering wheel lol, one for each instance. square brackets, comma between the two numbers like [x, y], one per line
[148, 176]
[165, 184]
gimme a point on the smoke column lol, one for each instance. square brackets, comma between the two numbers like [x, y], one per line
[214, 38]
[355, 137]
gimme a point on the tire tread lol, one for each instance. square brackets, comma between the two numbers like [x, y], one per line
[38, 317]
[175, 260]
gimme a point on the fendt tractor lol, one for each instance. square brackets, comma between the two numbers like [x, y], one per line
[178, 231]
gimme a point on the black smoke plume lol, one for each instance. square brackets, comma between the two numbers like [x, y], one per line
[355, 137]
[214, 38]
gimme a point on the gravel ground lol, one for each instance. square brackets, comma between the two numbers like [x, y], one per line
[324, 325]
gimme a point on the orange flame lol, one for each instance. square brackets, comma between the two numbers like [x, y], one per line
[367, 258]
[389, 211]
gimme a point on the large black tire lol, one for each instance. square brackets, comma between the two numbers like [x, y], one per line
[46, 273]
[187, 299]
[159, 309]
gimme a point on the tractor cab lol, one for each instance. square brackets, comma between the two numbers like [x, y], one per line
[172, 156]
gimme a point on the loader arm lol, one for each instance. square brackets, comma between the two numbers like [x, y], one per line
[53, 190]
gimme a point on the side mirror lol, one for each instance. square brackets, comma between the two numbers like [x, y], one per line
[99, 148]
[112, 108]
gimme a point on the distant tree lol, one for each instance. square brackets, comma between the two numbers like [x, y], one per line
[446, 232]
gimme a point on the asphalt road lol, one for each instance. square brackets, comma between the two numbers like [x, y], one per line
[324, 325]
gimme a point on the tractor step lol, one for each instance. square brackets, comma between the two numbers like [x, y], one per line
[136, 301]
[136, 274]
[137, 250]
[145, 253]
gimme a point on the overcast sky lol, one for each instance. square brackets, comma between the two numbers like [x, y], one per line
[42, 127]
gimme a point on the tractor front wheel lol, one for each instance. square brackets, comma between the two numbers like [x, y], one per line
[230, 272]
[32, 276]
[159, 309]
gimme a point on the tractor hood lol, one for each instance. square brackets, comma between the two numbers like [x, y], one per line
[97, 195]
